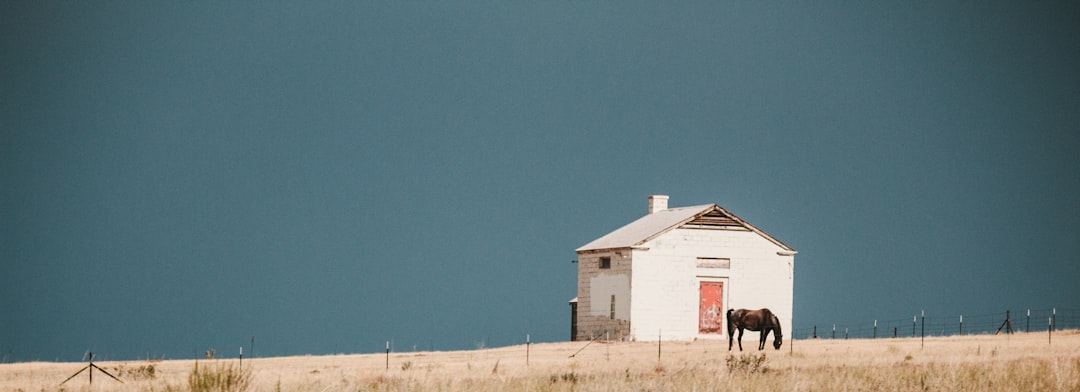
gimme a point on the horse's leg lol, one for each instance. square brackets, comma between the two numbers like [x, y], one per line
[740, 338]
[730, 337]
[761, 340]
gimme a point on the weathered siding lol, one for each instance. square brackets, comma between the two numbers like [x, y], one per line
[596, 287]
[667, 278]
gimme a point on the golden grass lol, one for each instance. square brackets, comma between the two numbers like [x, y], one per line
[969, 363]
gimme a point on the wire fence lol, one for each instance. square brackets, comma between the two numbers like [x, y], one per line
[920, 324]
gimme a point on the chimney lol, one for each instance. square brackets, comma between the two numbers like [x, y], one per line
[657, 203]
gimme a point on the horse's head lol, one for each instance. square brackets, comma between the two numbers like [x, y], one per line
[776, 332]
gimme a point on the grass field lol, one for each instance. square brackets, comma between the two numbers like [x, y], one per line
[1024, 362]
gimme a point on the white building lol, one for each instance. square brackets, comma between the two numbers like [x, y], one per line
[673, 273]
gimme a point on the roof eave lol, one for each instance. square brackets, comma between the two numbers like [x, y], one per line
[614, 248]
[759, 231]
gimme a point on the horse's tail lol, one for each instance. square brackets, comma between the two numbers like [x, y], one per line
[730, 322]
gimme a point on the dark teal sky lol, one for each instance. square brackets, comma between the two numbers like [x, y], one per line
[176, 176]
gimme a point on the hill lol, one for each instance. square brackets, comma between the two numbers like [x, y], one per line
[979, 362]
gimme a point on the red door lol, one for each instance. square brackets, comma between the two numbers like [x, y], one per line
[711, 311]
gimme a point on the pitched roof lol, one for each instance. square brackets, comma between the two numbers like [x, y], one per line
[709, 216]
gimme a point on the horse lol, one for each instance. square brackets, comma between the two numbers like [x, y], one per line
[755, 320]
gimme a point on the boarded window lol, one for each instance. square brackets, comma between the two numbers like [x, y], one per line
[613, 306]
[605, 262]
[713, 262]
[711, 313]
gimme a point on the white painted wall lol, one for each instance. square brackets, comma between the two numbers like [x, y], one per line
[665, 281]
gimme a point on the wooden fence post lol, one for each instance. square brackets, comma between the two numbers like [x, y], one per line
[659, 343]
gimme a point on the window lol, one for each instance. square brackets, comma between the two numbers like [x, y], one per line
[713, 262]
[605, 262]
[613, 306]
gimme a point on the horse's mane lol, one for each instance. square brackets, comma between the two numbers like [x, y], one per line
[776, 326]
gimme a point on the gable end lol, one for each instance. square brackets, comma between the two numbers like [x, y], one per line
[715, 219]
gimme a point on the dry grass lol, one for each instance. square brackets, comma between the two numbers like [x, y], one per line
[970, 363]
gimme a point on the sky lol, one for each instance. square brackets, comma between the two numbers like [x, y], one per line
[324, 177]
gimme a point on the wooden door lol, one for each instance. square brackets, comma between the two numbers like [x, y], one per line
[711, 310]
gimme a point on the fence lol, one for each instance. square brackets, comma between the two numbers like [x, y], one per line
[919, 324]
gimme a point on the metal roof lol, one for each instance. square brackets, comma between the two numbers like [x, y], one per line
[652, 225]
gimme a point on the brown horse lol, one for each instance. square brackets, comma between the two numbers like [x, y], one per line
[755, 320]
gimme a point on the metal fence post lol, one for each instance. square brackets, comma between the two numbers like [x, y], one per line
[922, 340]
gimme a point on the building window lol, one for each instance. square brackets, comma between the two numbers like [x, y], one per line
[605, 262]
[613, 306]
[713, 262]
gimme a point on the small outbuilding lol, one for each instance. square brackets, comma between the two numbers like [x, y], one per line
[674, 272]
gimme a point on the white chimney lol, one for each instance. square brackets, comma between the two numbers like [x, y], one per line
[657, 203]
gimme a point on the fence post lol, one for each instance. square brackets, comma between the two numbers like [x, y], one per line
[922, 339]
[1053, 319]
[913, 320]
[387, 355]
[607, 347]
[659, 342]
[961, 325]
[1028, 327]
[834, 331]
[815, 332]
[875, 329]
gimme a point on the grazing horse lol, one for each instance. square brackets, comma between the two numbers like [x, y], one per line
[755, 320]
